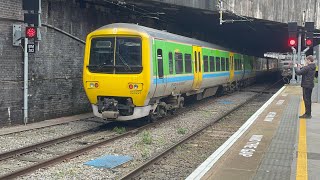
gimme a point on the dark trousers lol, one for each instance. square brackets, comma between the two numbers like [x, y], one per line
[307, 92]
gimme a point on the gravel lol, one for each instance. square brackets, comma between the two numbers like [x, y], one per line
[183, 160]
[22, 139]
[143, 145]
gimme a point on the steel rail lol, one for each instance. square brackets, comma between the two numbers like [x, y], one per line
[72, 154]
[134, 173]
[43, 144]
[79, 151]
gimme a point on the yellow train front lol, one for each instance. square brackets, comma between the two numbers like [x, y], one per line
[114, 75]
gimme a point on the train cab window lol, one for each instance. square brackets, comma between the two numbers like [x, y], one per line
[227, 64]
[188, 63]
[178, 62]
[160, 63]
[206, 63]
[218, 65]
[128, 55]
[223, 64]
[212, 64]
[102, 54]
[170, 63]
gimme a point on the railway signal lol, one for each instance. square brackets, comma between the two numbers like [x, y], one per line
[33, 8]
[31, 32]
[292, 29]
[292, 42]
[309, 27]
[32, 18]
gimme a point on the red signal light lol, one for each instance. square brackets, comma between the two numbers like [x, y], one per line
[292, 42]
[31, 32]
[308, 42]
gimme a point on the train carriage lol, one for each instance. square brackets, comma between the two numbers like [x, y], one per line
[131, 71]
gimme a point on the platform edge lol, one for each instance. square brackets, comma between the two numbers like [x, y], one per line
[209, 162]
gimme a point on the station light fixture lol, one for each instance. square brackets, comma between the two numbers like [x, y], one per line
[31, 32]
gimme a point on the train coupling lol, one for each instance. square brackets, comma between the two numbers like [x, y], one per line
[110, 114]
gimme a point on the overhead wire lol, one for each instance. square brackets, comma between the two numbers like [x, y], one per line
[235, 13]
[133, 8]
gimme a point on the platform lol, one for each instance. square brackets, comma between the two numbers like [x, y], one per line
[273, 144]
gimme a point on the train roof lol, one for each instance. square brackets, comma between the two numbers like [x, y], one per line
[164, 35]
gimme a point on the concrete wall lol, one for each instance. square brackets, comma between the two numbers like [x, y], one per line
[55, 72]
[275, 10]
[201, 4]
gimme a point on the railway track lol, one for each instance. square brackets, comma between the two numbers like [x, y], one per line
[72, 154]
[79, 151]
[142, 167]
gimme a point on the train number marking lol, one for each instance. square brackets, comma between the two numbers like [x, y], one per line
[270, 116]
[251, 146]
[280, 102]
[135, 92]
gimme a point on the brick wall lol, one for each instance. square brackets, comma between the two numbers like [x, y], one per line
[55, 72]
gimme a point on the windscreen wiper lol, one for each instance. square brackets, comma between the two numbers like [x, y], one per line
[124, 61]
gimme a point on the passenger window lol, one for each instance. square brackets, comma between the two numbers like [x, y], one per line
[218, 64]
[170, 63]
[205, 63]
[212, 64]
[179, 63]
[223, 64]
[188, 63]
[160, 63]
[236, 64]
[227, 64]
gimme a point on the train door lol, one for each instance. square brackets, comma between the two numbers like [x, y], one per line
[197, 54]
[161, 78]
[231, 62]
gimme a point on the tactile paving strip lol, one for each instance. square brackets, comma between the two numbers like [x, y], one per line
[276, 163]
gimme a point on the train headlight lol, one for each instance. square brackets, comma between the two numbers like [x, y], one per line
[135, 86]
[92, 85]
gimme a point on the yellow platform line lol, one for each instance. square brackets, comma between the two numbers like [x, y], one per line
[302, 161]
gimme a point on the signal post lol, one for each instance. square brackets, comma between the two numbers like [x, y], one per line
[292, 42]
[31, 36]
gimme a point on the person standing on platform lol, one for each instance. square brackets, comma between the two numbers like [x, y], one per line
[308, 71]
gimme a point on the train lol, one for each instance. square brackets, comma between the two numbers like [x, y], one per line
[131, 71]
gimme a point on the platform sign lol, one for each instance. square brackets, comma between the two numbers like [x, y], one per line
[31, 48]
